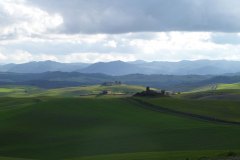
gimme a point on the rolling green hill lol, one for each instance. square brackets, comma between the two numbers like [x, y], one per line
[27, 91]
[64, 124]
[227, 110]
[219, 102]
[221, 86]
[215, 92]
[228, 86]
[93, 90]
[18, 91]
[106, 128]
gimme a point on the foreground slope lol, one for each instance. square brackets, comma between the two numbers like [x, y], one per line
[227, 111]
[69, 128]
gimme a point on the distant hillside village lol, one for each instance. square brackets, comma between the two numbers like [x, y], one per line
[147, 93]
[153, 93]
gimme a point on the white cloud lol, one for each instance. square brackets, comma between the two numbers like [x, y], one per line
[44, 57]
[149, 46]
[20, 56]
[2, 57]
[97, 57]
[20, 19]
[174, 41]
[111, 44]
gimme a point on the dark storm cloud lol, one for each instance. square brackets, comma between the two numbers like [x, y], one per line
[120, 16]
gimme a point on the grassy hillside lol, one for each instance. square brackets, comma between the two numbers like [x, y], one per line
[9, 158]
[216, 91]
[228, 86]
[64, 124]
[96, 89]
[106, 128]
[217, 109]
[219, 101]
[18, 91]
[27, 91]
[221, 86]
[182, 155]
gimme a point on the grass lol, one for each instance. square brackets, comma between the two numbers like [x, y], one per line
[96, 89]
[204, 88]
[28, 91]
[217, 92]
[9, 158]
[221, 109]
[193, 155]
[216, 87]
[18, 91]
[228, 86]
[105, 128]
[63, 124]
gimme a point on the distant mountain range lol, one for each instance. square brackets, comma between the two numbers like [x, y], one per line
[116, 68]
[112, 68]
[41, 67]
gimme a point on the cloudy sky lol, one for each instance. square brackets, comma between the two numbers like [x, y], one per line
[106, 30]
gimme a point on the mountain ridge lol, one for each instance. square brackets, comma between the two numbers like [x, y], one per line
[185, 67]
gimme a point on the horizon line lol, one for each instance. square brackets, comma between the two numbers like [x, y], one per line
[139, 60]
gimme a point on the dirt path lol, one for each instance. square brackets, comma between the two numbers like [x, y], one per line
[162, 109]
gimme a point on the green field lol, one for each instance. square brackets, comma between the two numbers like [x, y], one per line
[92, 90]
[218, 87]
[228, 86]
[18, 91]
[216, 91]
[57, 124]
[28, 91]
[220, 109]
[221, 101]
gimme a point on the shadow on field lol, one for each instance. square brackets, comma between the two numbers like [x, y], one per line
[158, 108]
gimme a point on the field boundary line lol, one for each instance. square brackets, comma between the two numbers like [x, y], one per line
[162, 109]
